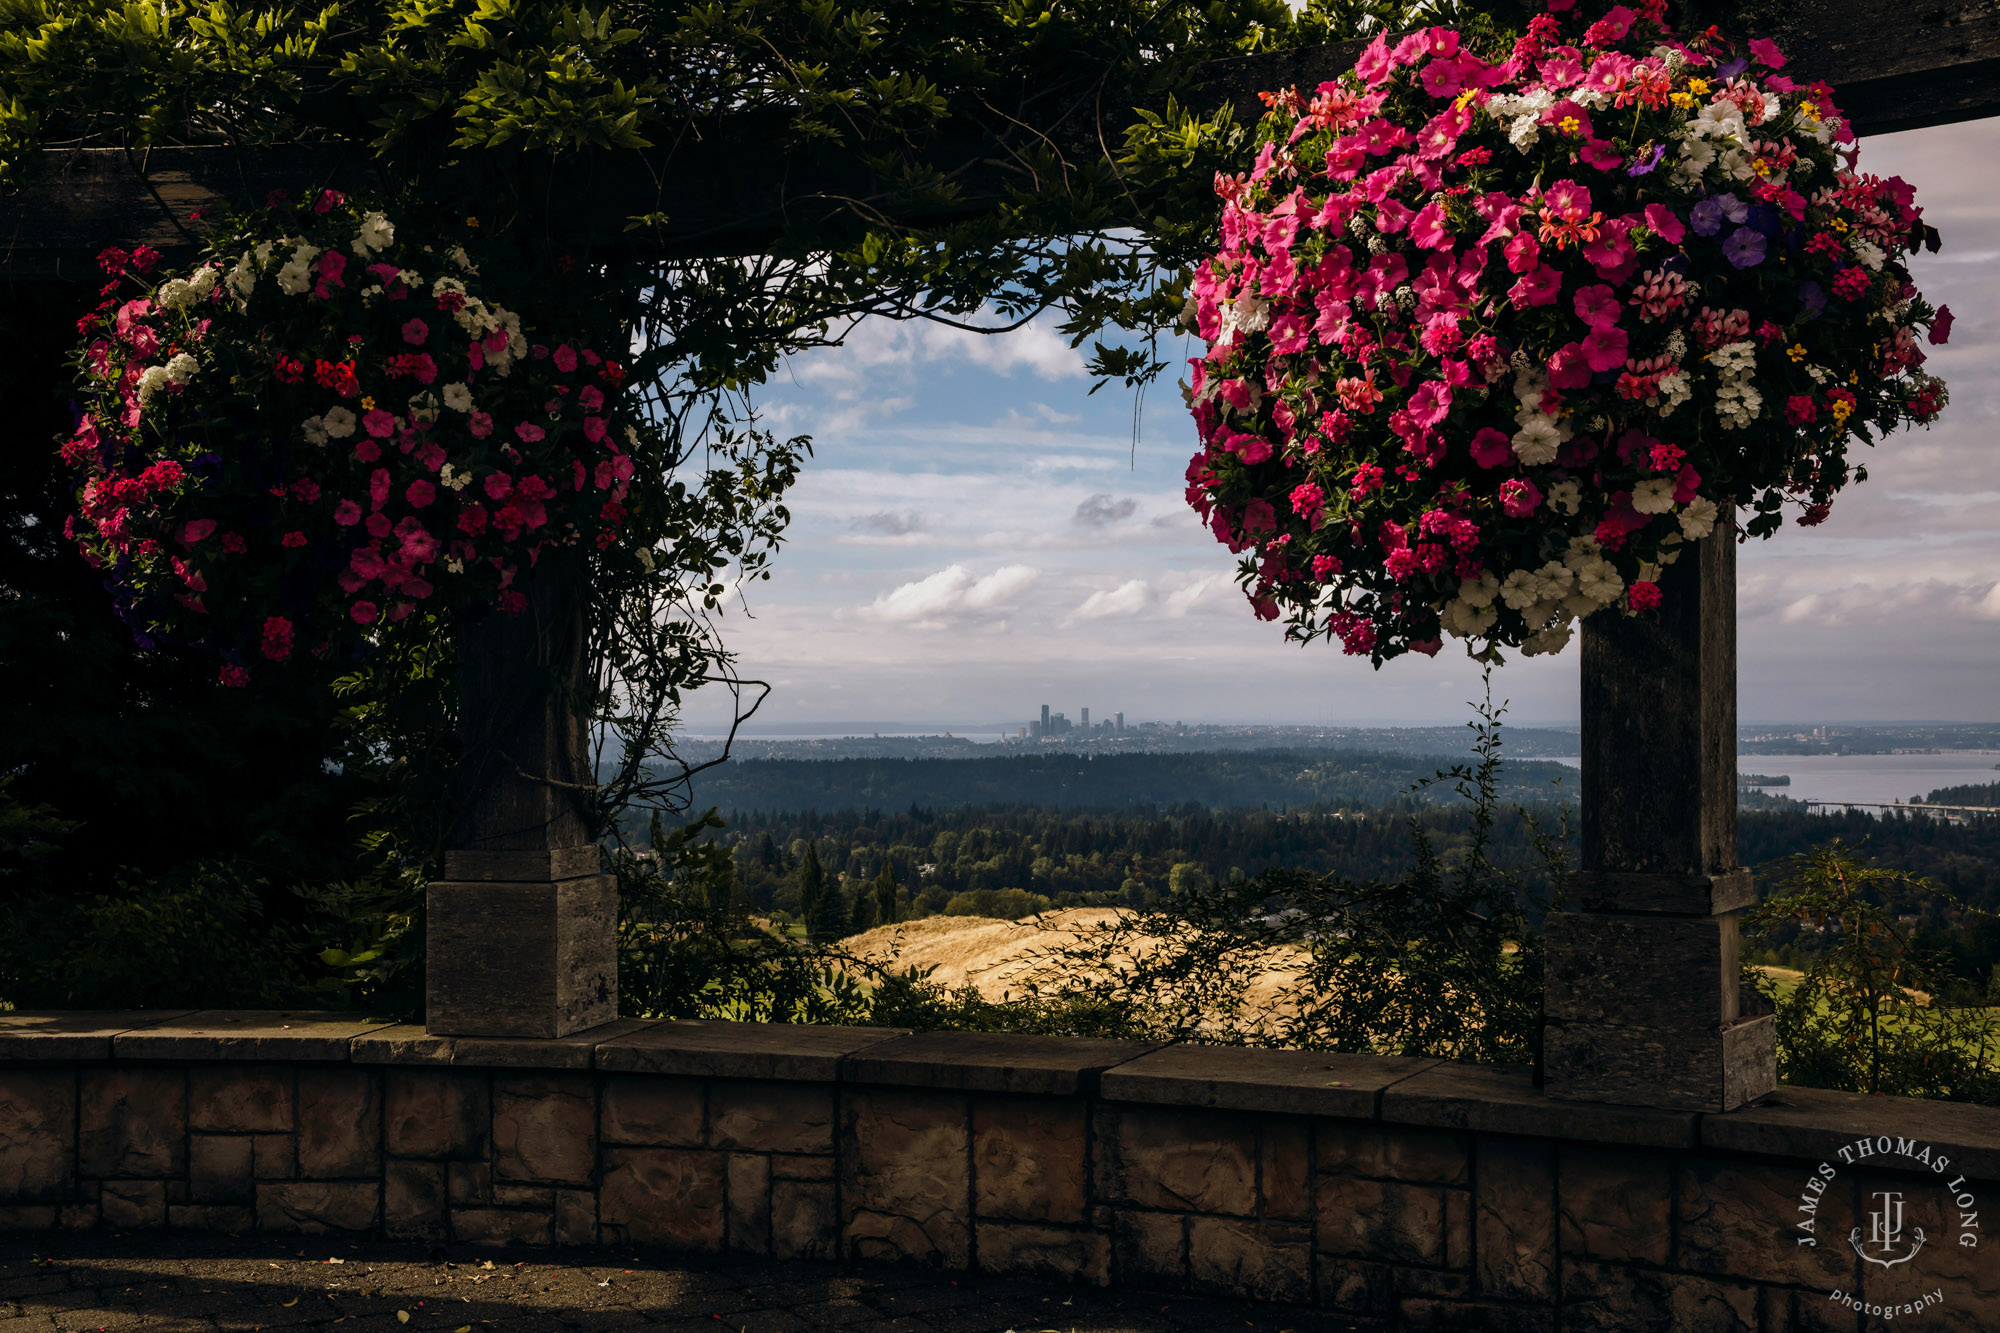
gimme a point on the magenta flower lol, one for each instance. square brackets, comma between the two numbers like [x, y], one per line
[1941, 326]
[1430, 404]
[347, 513]
[1666, 224]
[420, 494]
[565, 358]
[1540, 287]
[480, 424]
[528, 432]
[1598, 306]
[1492, 448]
[1766, 52]
[1605, 348]
[1519, 497]
[415, 331]
[378, 423]
[364, 613]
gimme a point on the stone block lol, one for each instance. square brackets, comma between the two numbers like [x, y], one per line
[665, 1196]
[805, 1220]
[1426, 1156]
[229, 1099]
[1020, 1249]
[1641, 970]
[319, 1206]
[1427, 1312]
[1966, 1275]
[784, 1167]
[1602, 1298]
[1708, 1069]
[521, 960]
[1029, 1158]
[340, 1122]
[27, 1217]
[545, 1128]
[502, 1226]
[1355, 1286]
[749, 1203]
[221, 1168]
[1002, 1062]
[413, 1200]
[1149, 1248]
[133, 1205]
[239, 1037]
[905, 1183]
[37, 1135]
[1491, 1100]
[767, 1116]
[1735, 1219]
[435, 1113]
[576, 1217]
[1515, 1220]
[1259, 1261]
[804, 1052]
[71, 1034]
[541, 1197]
[1615, 1204]
[131, 1123]
[78, 1216]
[1285, 1168]
[651, 1112]
[275, 1156]
[1387, 1220]
[469, 1182]
[215, 1218]
[1247, 1078]
[1195, 1161]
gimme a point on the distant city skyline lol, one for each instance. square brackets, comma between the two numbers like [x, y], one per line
[974, 529]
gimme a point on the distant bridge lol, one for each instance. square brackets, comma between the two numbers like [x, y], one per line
[1910, 805]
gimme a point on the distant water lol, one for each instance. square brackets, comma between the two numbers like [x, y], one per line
[1869, 778]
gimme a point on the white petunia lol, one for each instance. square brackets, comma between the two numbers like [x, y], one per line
[294, 279]
[1537, 441]
[339, 422]
[1565, 497]
[1551, 640]
[1521, 590]
[1479, 591]
[376, 234]
[1654, 495]
[314, 429]
[1463, 620]
[1698, 519]
[243, 278]
[1598, 579]
[457, 397]
[1870, 254]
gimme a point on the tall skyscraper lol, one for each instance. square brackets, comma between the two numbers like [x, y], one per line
[1086, 719]
[1045, 719]
[1120, 723]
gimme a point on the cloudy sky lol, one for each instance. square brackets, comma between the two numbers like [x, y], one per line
[977, 536]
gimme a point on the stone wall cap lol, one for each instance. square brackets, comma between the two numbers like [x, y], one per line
[1249, 1078]
[701, 1048]
[73, 1034]
[1493, 1100]
[992, 1062]
[247, 1034]
[411, 1044]
[1812, 1124]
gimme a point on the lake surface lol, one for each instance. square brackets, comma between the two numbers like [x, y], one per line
[1865, 778]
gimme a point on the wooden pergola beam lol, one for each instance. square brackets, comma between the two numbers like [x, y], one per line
[1895, 67]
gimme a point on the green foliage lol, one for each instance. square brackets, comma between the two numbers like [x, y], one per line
[1865, 1015]
[1000, 904]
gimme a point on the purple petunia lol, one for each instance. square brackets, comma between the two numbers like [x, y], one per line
[1708, 216]
[1745, 247]
[1645, 162]
[1813, 297]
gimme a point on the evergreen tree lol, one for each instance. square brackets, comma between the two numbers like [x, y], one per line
[812, 883]
[827, 919]
[863, 916]
[885, 896]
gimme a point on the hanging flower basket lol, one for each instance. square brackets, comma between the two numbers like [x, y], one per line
[1492, 334]
[325, 428]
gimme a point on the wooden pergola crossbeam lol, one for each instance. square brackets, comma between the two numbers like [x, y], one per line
[1896, 67]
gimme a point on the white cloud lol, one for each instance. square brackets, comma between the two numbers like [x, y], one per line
[1185, 599]
[1989, 606]
[1127, 599]
[879, 347]
[951, 593]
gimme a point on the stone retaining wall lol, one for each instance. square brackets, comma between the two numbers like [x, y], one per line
[1417, 1192]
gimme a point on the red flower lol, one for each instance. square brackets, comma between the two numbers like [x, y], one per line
[289, 371]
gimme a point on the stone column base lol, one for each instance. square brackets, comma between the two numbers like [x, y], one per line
[511, 959]
[1717, 1070]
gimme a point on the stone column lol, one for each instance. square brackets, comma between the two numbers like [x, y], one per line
[1643, 1003]
[523, 926]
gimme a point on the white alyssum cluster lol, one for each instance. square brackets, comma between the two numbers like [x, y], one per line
[180, 293]
[1737, 400]
[1522, 114]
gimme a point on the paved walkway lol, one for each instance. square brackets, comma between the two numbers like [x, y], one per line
[185, 1284]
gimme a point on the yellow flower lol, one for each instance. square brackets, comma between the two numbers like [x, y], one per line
[1699, 87]
[1797, 351]
[367, 404]
[1839, 225]
[472, 222]
[1842, 410]
[1465, 98]
[1685, 101]
[1570, 125]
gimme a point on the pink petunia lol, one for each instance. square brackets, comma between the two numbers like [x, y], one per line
[1941, 326]
[378, 423]
[1666, 223]
[528, 432]
[565, 356]
[1605, 348]
[1598, 306]
[364, 613]
[1392, 217]
[480, 424]
[1766, 53]
[347, 513]
[415, 331]
[1430, 404]
[1523, 253]
[1602, 154]
[420, 494]
[197, 530]
[1567, 367]
[1431, 229]
[1519, 497]
[593, 429]
[1492, 448]
[1541, 286]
